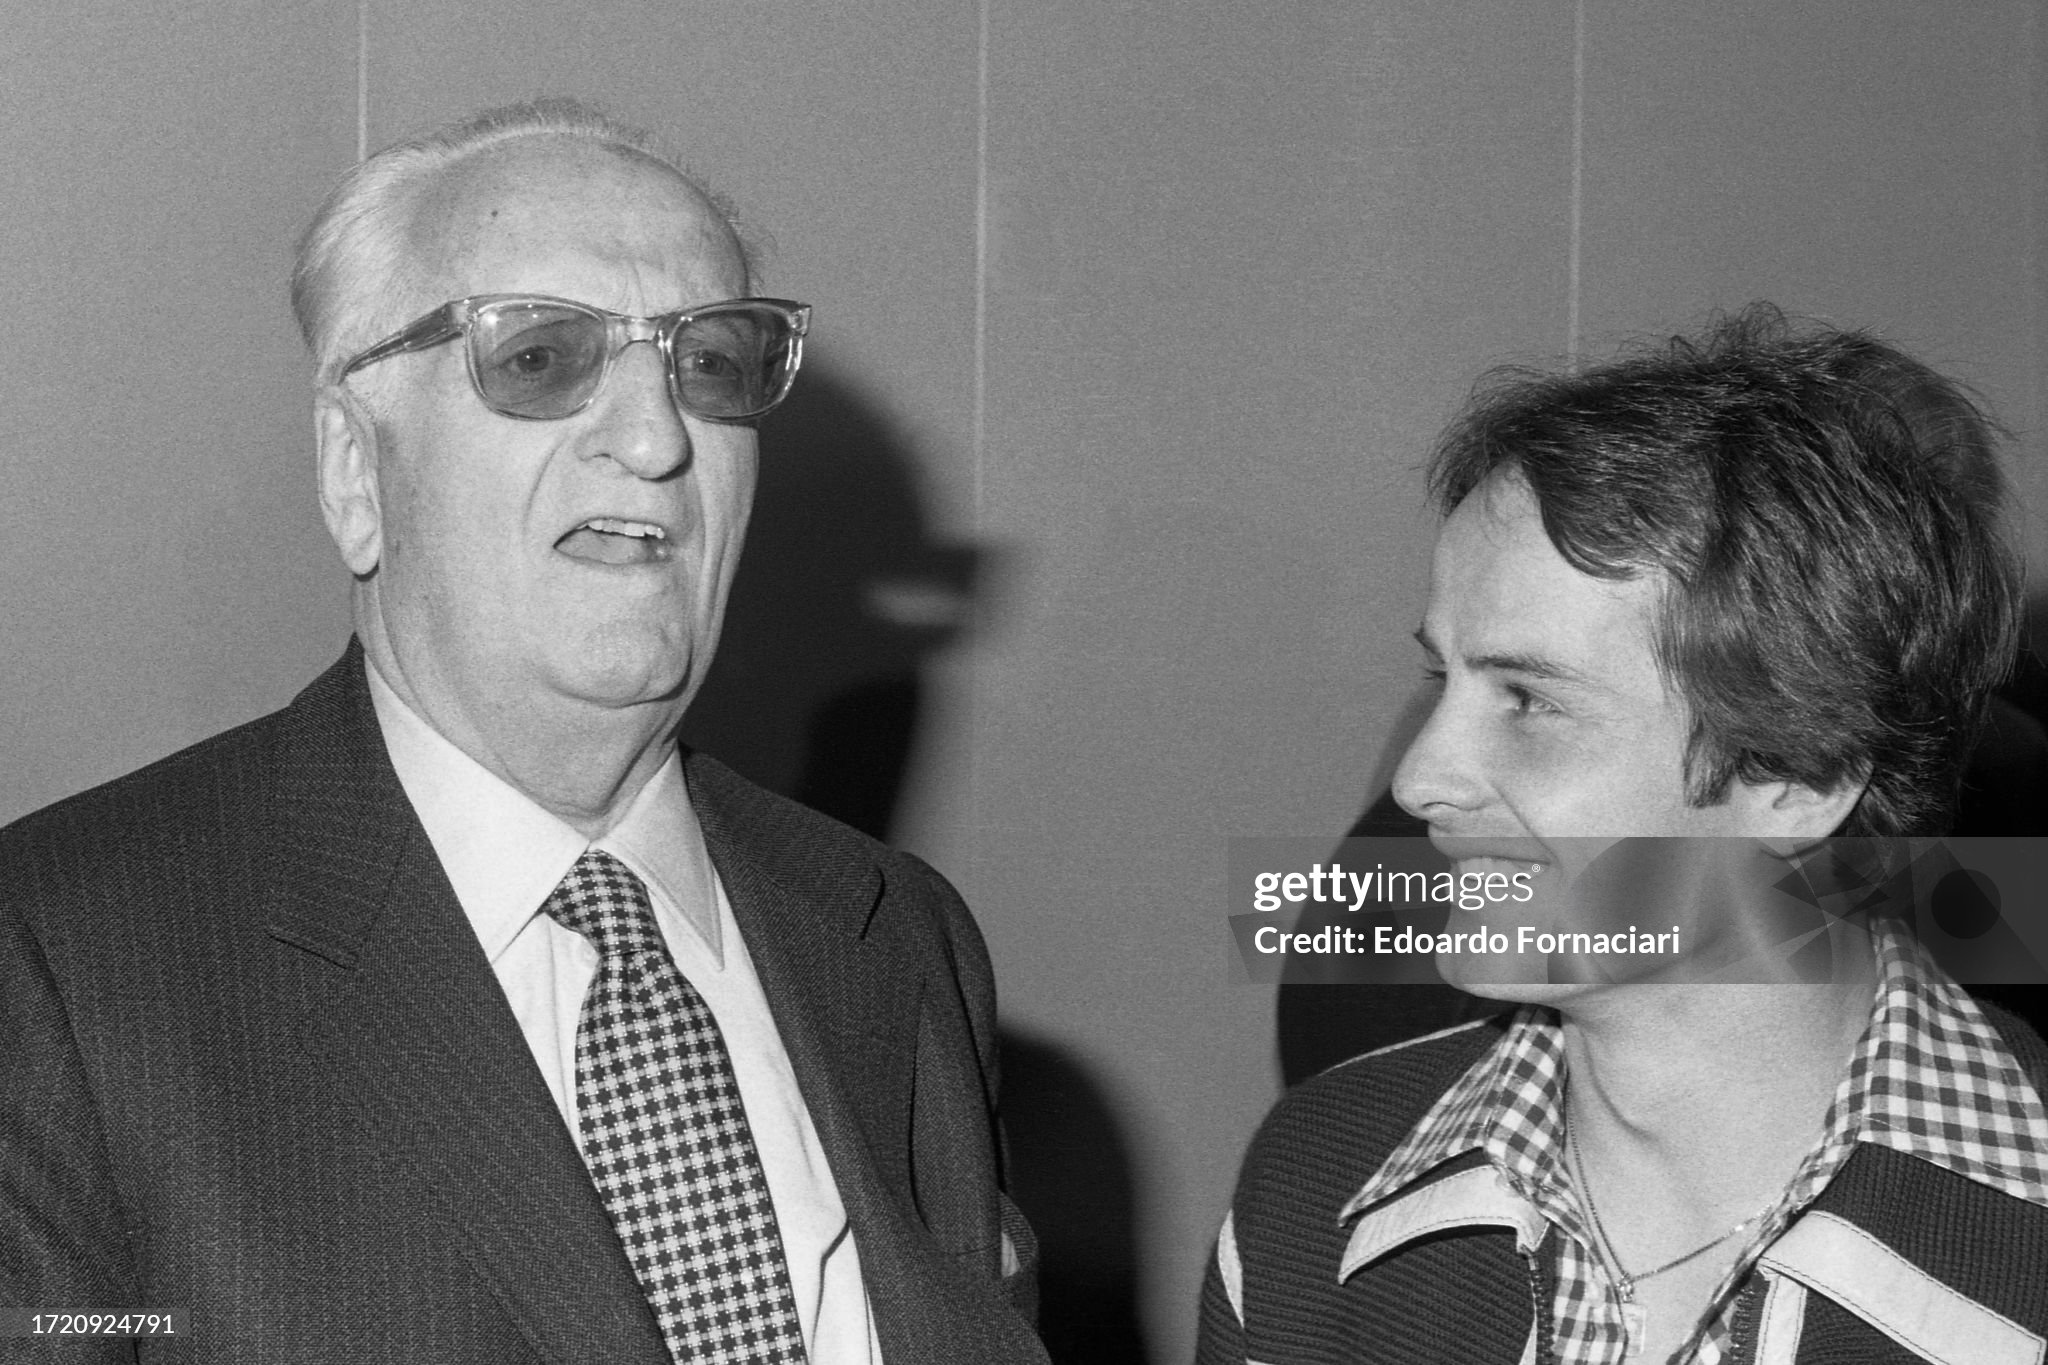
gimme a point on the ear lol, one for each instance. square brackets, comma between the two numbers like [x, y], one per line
[347, 441]
[1801, 814]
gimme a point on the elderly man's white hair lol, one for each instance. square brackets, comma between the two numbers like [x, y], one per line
[353, 271]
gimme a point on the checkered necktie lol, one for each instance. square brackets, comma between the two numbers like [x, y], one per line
[666, 1138]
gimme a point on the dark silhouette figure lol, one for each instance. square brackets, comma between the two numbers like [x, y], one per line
[1071, 1174]
[843, 594]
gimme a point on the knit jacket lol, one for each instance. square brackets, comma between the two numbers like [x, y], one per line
[1898, 1260]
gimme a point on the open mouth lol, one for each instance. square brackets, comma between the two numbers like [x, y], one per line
[615, 540]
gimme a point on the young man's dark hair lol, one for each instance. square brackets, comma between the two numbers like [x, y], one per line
[1841, 597]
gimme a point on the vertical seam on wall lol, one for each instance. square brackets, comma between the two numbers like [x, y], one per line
[2031, 68]
[362, 79]
[980, 256]
[980, 432]
[1571, 324]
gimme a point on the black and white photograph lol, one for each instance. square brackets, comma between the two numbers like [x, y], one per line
[1264, 685]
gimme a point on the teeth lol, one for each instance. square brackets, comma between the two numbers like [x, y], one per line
[618, 527]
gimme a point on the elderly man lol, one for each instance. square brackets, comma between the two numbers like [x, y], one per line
[1742, 594]
[452, 1013]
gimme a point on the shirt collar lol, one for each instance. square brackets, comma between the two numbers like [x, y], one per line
[1509, 1104]
[503, 853]
[660, 839]
[1929, 1077]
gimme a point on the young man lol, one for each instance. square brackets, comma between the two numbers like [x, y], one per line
[1746, 592]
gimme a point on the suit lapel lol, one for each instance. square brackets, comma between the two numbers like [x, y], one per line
[845, 999]
[410, 1017]
[845, 967]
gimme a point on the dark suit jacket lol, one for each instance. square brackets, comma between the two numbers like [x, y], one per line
[254, 1064]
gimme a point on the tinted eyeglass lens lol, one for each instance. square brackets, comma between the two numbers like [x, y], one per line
[537, 359]
[732, 363]
[544, 360]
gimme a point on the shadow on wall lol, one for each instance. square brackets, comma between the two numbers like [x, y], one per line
[844, 596]
[1070, 1171]
[1322, 1024]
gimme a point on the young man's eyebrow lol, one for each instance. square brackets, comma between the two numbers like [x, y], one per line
[1532, 665]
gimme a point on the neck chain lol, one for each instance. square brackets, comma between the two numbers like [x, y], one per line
[1635, 1319]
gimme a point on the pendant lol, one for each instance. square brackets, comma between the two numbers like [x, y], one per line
[1635, 1321]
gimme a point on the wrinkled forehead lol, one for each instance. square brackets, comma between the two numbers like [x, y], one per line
[512, 217]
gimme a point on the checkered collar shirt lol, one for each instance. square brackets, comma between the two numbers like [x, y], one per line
[1929, 1078]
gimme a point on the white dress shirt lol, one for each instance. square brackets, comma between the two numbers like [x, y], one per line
[504, 855]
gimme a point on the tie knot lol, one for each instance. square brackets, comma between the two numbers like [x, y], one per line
[602, 900]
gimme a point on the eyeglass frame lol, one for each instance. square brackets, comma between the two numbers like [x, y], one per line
[457, 318]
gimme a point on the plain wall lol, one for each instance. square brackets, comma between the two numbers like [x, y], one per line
[1096, 528]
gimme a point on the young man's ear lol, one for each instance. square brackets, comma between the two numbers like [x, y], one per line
[346, 438]
[1801, 815]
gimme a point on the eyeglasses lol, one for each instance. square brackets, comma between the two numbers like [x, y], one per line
[541, 358]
